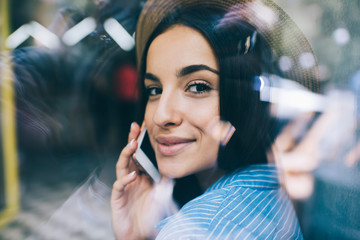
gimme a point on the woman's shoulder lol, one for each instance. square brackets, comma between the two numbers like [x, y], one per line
[235, 207]
[261, 177]
[193, 220]
[234, 215]
[254, 206]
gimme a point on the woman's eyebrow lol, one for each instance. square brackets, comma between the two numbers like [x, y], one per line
[194, 68]
[152, 77]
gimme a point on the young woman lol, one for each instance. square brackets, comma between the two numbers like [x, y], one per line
[200, 66]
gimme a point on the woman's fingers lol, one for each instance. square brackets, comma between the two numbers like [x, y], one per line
[120, 185]
[286, 140]
[134, 131]
[122, 166]
[353, 157]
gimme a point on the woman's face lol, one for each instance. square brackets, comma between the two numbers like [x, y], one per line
[182, 84]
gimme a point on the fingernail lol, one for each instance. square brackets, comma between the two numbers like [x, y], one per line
[131, 142]
[132, 173]
[132, 125]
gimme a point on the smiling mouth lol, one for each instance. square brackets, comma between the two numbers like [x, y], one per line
[172, 147]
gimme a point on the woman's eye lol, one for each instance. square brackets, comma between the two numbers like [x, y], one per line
[199, 88]
[153, 91]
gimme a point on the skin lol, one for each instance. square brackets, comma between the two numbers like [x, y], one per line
[182, 83]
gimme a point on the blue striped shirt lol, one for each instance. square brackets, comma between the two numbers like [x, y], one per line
[247, 204]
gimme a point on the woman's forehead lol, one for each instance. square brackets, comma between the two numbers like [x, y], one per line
[180, 46]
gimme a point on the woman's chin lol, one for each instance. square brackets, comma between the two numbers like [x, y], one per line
[173, 172]
[179, 167]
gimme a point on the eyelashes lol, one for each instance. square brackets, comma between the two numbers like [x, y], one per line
[153, 91]
[198, 87]
[194, 87]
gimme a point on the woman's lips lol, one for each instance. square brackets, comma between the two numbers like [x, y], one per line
[170, 146]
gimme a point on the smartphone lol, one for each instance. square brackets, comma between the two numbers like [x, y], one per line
[145, 156]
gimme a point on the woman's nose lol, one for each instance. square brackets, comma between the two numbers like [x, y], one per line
[167, 113]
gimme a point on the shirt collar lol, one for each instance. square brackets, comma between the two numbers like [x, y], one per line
[259, 176]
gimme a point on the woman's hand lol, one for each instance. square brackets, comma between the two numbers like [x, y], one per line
[327, 139]
[135, 201]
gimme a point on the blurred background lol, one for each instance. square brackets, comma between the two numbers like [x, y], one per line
[68, 90]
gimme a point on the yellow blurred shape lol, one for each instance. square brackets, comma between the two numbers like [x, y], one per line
[8, 121]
